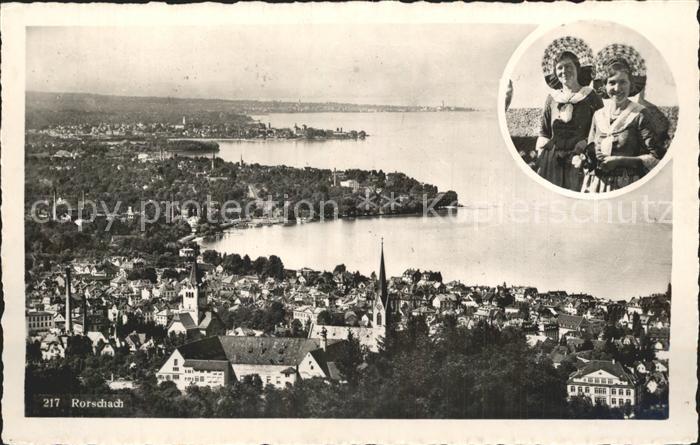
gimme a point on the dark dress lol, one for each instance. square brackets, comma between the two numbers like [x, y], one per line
[554, 163]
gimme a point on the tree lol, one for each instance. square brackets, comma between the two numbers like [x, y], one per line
[33, 351]
[449, 198]
[587, 345]
[273, 268]
[169, 389]
[297, 329]
[274, 315]
[212, 257]
[170, 274]
[506, 299]
[147, 273]
[612, 332]
[174, 340]
[93, 381]
[350, 359]
[233, 264]
[246, 264]
[324, 317]
[339, 269]
[637, 328]
[524, 311]
[253, 380]
[79, 346]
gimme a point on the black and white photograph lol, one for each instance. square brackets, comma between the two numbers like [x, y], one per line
[322, 220]
[610, 110]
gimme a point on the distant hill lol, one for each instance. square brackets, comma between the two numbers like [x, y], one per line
[44, 108]
[77, 108]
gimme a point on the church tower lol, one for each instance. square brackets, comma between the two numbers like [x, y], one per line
[379, 311]
[194, 298]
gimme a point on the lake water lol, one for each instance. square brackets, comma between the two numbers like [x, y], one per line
[488, 241]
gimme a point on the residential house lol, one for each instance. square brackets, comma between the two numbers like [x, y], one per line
[53, 346]
[352, 184]
[59, 321]
[656, 383]
[106, 349]
[306, 314]
[101, 345]
[445, 302]
[489, 314]
[182, 323]
[167, 291]
[549, 330]
[628, 340]
[368, 336]
[633, 307]
[244, 332]
[571, 323]
[39, 321]
[411, 276]
[605, 382]
[278, 361]
[558, 354]
[163, 317]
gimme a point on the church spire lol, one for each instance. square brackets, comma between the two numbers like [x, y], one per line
[383, 294]
[379, 309]
[194, 274]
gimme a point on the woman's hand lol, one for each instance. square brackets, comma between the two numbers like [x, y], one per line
[610, 163]
[540, 144]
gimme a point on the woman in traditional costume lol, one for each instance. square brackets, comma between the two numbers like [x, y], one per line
[566, 120]
[623, 142]
[568, 70]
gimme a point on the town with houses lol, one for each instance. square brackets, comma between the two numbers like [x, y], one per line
[318, 312]
[196, 130]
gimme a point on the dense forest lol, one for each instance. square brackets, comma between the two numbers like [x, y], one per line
[112, 180]
[180, 178]
[191, 145]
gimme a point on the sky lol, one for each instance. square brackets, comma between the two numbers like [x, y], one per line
[530, 90]
[374, 64]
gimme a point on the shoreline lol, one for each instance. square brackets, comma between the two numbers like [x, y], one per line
[263, 140]
[252, 224]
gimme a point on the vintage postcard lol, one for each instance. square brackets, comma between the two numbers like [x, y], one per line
[350, 223]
